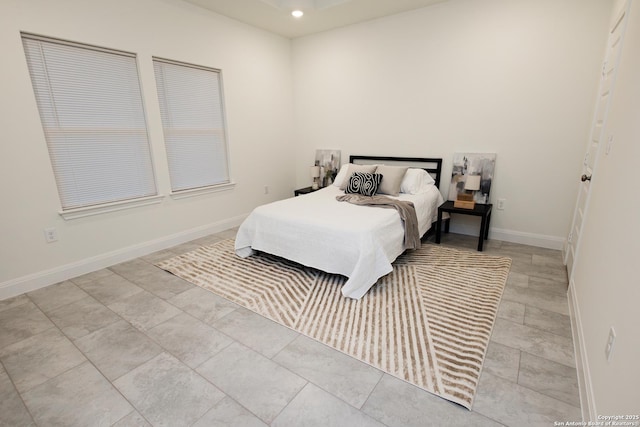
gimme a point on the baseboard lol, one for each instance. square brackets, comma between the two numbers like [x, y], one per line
[41, 279]
[585, 386]
[539, 240]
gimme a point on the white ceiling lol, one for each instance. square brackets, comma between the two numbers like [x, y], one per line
[319, 15]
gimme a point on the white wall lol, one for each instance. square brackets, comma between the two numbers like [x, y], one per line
[256, 68]
[517, 78]
[513, 77]
[606, 287]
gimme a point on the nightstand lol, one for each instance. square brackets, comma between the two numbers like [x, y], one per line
[305, 190]
[483, 211]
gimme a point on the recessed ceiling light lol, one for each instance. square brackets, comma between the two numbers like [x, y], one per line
[297, 13]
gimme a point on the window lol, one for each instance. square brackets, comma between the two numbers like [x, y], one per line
[91, 111]
[194, 127]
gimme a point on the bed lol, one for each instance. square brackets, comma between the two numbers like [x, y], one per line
[359, 242]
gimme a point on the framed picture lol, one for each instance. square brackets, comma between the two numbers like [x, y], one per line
[329, 162]
[472, 164]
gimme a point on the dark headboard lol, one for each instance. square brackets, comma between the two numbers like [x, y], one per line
[431, 165]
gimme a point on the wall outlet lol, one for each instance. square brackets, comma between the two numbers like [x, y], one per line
[266, 189]
[500, 204]
[51, 235]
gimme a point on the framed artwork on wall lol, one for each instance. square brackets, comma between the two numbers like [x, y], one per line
[329, 162]
[472, 173]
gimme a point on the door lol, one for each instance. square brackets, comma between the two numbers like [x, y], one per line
[597, 135]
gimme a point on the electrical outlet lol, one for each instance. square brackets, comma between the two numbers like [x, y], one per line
[610, 340]
[51, 235]
[500, 204]
[266, 189]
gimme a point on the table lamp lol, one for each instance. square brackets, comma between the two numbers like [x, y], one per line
[315, 174]
[465, 200]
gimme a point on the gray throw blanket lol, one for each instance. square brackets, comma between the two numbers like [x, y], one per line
[406, 210]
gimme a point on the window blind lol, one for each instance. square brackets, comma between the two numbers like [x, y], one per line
[91, 110]
[191, 107]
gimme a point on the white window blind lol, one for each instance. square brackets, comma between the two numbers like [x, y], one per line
[191, 106]
[93, 118]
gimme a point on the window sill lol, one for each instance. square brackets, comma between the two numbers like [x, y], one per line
[109, 207]
[203, 190]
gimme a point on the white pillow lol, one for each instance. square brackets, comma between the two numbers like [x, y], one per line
[342, 179]
[415, 181]
[342, 174]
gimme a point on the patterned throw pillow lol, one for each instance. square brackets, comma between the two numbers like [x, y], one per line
[363, 183]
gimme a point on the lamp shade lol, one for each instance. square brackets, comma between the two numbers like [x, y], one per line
[315, 171]
[472, 183]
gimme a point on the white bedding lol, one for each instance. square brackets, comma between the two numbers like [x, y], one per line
[359, 242]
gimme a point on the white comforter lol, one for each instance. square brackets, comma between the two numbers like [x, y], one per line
[359, 242]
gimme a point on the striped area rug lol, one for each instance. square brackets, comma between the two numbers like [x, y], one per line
[428, 322]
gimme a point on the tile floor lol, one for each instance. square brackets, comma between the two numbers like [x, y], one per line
[135, 346]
